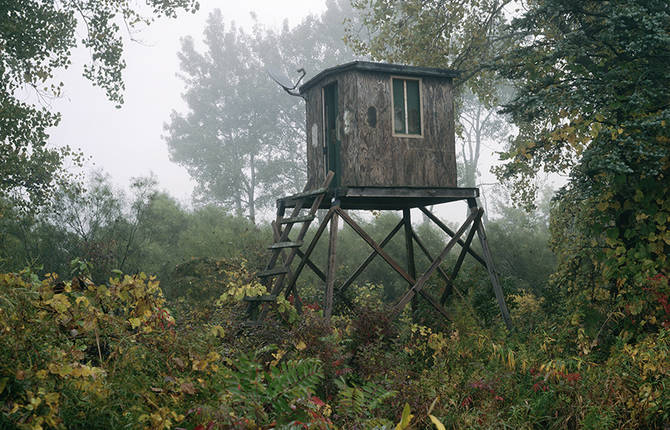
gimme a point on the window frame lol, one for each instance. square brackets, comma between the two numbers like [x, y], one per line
[405, 79]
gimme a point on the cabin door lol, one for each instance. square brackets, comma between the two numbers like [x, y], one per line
[331, 139]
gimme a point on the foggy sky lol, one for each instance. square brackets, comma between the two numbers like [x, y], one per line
[127, 142]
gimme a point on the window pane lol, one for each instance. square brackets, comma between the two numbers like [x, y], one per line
[398, 106]
[413, 108]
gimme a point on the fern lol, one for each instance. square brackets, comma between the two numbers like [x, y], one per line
[292, 380]
[359, 402]
[272, 394]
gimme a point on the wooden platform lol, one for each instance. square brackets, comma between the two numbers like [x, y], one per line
[383, 198]
[280, 275]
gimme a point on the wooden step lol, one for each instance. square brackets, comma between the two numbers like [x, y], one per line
[297, 219]
[308, 194]
[281, 245]
[272, 272]
[268, 298]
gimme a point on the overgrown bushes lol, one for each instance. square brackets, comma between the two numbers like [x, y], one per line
[78, 355]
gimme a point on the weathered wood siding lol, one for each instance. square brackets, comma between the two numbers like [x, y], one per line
[346, 83]
[370, 154]
[314, 118]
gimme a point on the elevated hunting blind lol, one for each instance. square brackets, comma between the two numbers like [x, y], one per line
[381, 125]
[379, 136]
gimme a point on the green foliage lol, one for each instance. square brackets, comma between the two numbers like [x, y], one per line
[356, 404]
[144, 231]
[113, 355]
[458, 35]
[81, 355]
[242, 138]
[592, 100]
[37, 39]
[283, 391]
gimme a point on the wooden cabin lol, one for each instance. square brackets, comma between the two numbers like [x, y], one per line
[381, 125]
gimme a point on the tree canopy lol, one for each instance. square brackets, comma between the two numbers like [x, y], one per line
[36, 39]
[592, 100]
[242, 138]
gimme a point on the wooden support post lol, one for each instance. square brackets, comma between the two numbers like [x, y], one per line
[416, 287]
[366, 237]
[332, 265]
[368, 260]
[451, 233]
[497, 289]
[409, 248]
[457, 267]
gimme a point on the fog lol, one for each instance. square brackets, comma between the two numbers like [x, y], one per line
[127, 142]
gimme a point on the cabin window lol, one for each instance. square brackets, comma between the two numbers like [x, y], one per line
[406, 106]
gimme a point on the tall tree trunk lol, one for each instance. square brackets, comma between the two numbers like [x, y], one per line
[238, 205]
[252, 189]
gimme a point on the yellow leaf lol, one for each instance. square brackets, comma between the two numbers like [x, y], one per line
[134, 322]
[82, 299]
[437, 423]
[405, 419]
[300, 346]
[59, 303]
[52, 398]
[217, 331]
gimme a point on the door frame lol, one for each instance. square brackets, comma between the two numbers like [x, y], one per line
[331, 149]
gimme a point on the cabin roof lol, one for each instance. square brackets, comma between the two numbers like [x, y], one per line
[368, 66]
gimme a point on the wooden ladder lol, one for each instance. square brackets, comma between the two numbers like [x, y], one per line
[278, 268]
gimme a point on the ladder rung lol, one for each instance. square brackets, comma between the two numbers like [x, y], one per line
[269, 298]
[307, 194]
[305, 218]
[281, 245]
[272, 272]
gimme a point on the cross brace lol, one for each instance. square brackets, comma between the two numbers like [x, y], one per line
[472, 225]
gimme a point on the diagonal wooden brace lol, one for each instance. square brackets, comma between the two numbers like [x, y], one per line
[394, 265]
[300, 254]
[451, 233]
[419, 284]
[310, 249]
[430, 258]
[368, 260]
[457, 267]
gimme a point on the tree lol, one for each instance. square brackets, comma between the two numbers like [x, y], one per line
[477, 124]
[242, 138]
[459, 35]
[463, 35]
[36, 39]
[592, 99]
[230, 133]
